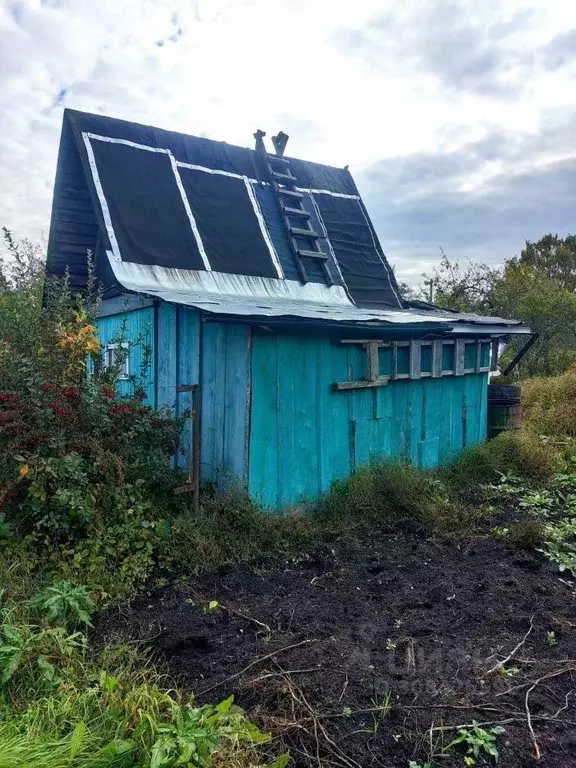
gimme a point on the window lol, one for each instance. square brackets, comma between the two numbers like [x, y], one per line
[116, 356]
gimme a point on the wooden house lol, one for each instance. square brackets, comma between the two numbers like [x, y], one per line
[260, 287]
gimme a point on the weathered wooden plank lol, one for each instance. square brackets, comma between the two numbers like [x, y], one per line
[415, 359]
[263, 469]
[212, 422]
[437, 358]
[235, 406]
[288, 355]
[335, 443]
[188, 339]
[341, 385]
[459, 355]
[165, 343]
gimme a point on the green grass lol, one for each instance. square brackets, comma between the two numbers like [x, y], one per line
[520, 453]
[62, 704]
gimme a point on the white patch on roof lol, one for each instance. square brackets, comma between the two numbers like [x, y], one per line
[242, 295]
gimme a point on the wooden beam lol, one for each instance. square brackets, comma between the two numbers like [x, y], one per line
[459, 355]
[437, 359]
[340, 385]
[415, 359]
[372, 356]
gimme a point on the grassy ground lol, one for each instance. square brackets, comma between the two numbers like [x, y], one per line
[64, 703]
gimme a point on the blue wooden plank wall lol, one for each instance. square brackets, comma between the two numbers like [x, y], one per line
[173, 334]
[225, 391]
[304, 435]
[137, 328]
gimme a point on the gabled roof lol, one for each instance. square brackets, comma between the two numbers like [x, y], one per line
[198, 222]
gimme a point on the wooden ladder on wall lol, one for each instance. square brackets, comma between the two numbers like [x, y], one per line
[304, 241]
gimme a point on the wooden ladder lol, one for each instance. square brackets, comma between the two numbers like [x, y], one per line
[295, 217]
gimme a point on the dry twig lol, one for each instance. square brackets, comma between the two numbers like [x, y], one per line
[515, 650]
[254, 663]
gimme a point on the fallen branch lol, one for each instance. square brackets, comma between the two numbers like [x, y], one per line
[562, 709]
[234, 612]
[516, 649]
[298, 695]
[254, 663]
[537, 753]
[288, 672]
[507, 721]
[246, 618]
[537, 682]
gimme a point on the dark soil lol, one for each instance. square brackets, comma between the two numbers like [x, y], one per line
[369, 616]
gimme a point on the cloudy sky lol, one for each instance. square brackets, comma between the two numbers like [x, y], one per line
[457, 117]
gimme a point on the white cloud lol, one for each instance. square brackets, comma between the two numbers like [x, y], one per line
[355, 83]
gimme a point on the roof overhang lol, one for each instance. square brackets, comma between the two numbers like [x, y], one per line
[242, 298]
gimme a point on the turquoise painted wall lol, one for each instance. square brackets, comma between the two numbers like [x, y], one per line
[137, 328]
[304, 435]
[269, 417]
[174, 333]
[226, 350]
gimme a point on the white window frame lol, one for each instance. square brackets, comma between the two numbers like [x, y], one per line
[111, 358]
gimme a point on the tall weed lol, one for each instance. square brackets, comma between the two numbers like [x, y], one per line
[550, 404]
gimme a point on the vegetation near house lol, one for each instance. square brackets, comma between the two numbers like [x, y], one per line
[537, 287]
[330, 645]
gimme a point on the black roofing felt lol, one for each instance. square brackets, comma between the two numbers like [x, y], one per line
[152, 226]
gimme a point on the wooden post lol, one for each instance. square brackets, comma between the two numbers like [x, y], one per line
[195, 458]
[192, 483]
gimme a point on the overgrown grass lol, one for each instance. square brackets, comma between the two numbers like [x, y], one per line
[231, 528]
[521, 453]
[549, 404]
[385, 491]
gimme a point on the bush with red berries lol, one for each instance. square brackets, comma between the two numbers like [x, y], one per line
[74, 455]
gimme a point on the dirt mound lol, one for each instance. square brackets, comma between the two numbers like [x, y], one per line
[372, 648]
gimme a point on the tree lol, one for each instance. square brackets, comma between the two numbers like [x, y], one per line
[554, 257]
[537, 288]
[547, 308]
[464, 289]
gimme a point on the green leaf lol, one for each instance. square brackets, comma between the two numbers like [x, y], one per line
[10, 667]
[118, 747]
[77, 739]
[225, 705]
[47, 670]
[281, 761]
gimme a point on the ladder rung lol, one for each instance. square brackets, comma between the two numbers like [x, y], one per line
[312, 255]
[290, 193]
[297, 232]
[276, 159]
[299, 212]
[283, 177]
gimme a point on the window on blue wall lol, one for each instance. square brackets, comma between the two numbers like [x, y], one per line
[403, 360]
[470, 356]
[485, 355]
[448, 358]
[426, 360]
[117, 356]
[385, 361]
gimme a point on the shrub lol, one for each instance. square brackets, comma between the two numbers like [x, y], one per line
[519, 452]
[385, 492]
[550, 404]
[80, 468]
